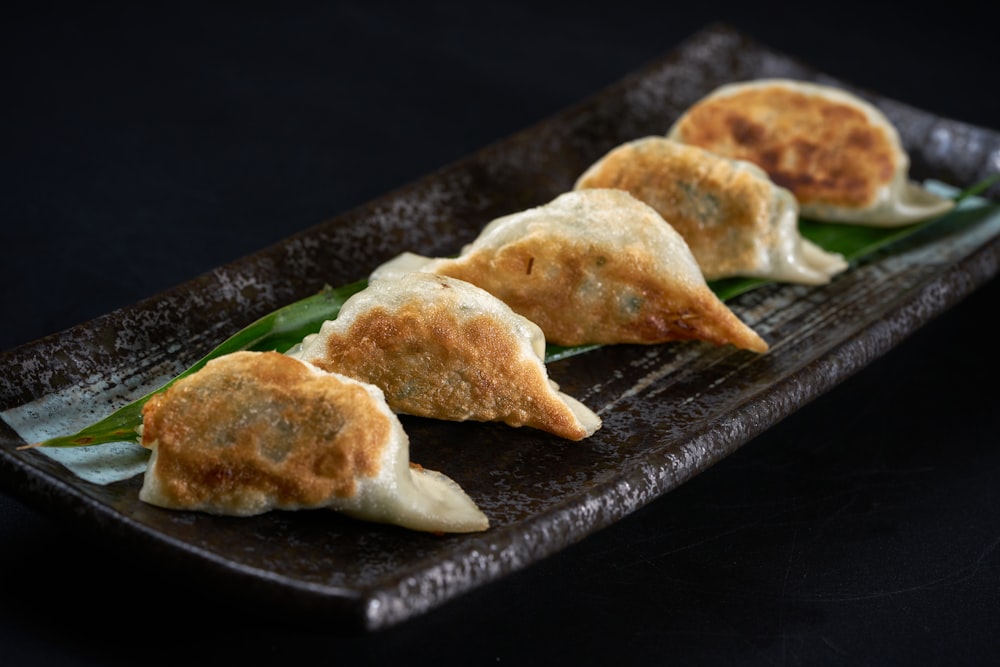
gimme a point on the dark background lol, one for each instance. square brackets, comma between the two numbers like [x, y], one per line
[145, 144]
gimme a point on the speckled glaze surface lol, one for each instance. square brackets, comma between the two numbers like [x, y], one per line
[669, 411]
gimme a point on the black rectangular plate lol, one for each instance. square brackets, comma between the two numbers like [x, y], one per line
[669, 411]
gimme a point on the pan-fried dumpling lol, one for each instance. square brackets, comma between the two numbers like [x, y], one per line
[593, 267]
[257, 431]
[839, 155]
[736, 221]
[446, 349]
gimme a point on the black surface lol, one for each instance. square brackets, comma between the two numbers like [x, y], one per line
[143, 147]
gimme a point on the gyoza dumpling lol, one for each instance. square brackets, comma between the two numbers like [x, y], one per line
[257, 431]
[839, 155]
[593, 267]
[736, 221]
[446, 349]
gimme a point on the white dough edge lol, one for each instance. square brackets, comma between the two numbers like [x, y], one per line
[794, 258]
[411, 497]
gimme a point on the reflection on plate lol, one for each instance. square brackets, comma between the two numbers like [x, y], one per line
[669, 411]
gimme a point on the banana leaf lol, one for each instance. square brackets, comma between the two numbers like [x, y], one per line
[287, 326]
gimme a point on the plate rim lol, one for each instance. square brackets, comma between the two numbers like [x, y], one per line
[33, 480]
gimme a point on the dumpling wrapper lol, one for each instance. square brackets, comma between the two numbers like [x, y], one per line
[253, 432]
[593, 267]
[735, 220]
[839, 155]
[446, 349]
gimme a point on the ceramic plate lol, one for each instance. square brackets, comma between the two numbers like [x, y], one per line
[669, 411]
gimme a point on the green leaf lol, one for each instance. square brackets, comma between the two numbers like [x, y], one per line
[278, 330]
[287, 326]
[978, 188]
[854, 242]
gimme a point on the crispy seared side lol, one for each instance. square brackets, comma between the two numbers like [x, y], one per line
[596, 289]
[434, 362]
[554, 281]
[254, 429]
[822, 148]
[724, 213]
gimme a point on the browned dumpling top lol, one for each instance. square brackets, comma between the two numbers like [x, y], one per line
[443, 348]
[736, 221]
[838, 154]
[258, 431]
[593, 267]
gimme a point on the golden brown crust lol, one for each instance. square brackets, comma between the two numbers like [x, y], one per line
[429, 362]
[722, 212]
[622, 297]
[823, 149]
[261, 424]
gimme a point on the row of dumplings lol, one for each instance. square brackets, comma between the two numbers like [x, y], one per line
[624, 257]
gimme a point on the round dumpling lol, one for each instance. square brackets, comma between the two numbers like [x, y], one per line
[252, 432]
[838, 154]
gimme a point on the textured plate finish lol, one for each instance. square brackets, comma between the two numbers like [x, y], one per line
[669, 411]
